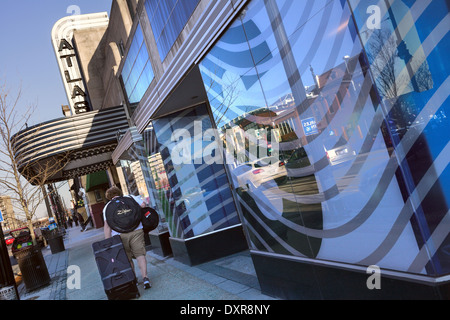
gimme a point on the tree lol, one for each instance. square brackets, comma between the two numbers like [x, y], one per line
[26, 195]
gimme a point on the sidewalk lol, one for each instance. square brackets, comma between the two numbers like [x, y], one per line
[229, 278]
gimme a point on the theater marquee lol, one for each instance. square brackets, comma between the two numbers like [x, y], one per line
[72, 77]
[66, 54]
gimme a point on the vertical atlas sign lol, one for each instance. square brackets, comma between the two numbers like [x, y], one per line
[72, 77]
[69, 59]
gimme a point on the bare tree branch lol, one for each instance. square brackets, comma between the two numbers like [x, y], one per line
[25, 194]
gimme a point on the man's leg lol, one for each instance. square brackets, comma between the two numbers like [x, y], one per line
[138, 249]
[142, 263]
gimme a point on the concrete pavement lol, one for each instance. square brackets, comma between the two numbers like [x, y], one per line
[228, 278]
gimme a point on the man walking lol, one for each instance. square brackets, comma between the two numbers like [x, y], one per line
[133, 241]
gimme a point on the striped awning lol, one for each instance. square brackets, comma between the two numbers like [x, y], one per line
[82, 144]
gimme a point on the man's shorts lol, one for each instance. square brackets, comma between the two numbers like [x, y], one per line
[134, 243]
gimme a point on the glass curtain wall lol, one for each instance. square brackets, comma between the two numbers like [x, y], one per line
[407, 44]
[168, 19]
[163, 192]
[137, 72]
[140, 180]
[308, 143]
[194, 195]
[134, 179]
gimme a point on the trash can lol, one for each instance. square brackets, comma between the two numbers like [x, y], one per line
[56, 244]
[55, 240]
[33, 268]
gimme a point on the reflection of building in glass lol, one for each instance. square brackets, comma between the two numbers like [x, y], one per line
[282, 118]
[158, 171]
[164, 197]
[140, 180]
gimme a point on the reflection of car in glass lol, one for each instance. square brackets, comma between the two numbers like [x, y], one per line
[298, 164]
[340, 154]
[252, 174]
[9, 239]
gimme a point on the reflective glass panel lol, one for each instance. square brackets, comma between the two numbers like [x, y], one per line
[407, 44]
[134, 182]
[307, 138]
[137, 73]
[194, 195]
[168, 19]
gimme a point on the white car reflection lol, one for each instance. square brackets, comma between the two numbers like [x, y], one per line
[340, 154]
[251, 175]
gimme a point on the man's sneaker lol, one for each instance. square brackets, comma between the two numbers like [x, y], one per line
[147, 284]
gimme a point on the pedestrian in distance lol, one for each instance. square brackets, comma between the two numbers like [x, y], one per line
[80, 204]
[74, 216]
[73, 212]
[77, 216]
[133, 241]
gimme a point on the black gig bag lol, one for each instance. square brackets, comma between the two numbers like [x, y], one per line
[150, 219]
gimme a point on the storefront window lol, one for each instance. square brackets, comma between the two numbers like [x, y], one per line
[194, 196]
[163, 192]
[133, 179]
[313, 162]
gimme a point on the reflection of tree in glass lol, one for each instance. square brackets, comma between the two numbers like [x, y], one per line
[229, 93]
[392, 77]
[398, 73]
[382, 53]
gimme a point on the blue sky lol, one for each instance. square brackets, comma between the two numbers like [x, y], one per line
[27, 58]
[26, 54]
